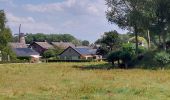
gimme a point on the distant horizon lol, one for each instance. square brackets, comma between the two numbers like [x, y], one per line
[85, 20]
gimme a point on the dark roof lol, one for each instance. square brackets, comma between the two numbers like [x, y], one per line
[63, 45]
[85, 50]
[82, 50]
[24, 52]
[45, 45]
[18, 45]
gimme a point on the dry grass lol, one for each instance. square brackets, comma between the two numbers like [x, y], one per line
[68, 81]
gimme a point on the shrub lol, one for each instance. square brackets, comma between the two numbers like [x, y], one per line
[163, 58]
[113, 56]
[49, 53]
[126, 57]
[125, 54]
[141, 49]
[128, 47]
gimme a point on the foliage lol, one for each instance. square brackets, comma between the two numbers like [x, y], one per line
[162, 57]
[41, 37]
[129, 14]
[49, 53]
[161, 19]
[102, 50]
[142, 50]
[5, 37]
[85, 43]
[124, 38]
[110, 39]
[125, 54]
[113, 56]
[141, 41]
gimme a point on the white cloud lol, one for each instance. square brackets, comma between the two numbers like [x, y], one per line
[12, 18]
[29, 24]
[10, 2]
[44, 8]
[69, 6]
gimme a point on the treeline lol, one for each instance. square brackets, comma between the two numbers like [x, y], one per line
[41, 37]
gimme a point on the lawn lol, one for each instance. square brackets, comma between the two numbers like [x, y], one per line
[81, 81]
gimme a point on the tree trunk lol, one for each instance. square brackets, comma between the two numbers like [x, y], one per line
[118, 63]
[149, 39]
[113, 64]
[159, 39]
[126, 65]
[164, 41]
[136, 38]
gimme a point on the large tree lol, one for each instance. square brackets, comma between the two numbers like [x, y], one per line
[110, 39]
[5, 36]
[162, 19]
[128, 14]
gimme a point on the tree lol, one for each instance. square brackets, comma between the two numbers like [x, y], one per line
[49, 53]
[5, 37]
[85, 43]
[125, 54]
[110, 39]
[128, 14]
[162, 19]
[41, 37]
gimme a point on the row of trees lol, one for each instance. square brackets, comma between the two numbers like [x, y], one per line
[40, 37]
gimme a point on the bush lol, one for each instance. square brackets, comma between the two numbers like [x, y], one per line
[49, 53]
[141, 50]
[125, 54]
[126, 57]
[113, 56]
[163, 58]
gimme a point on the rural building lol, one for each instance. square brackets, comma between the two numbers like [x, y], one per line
[32, 55]
[17, 45]
[21, 42]
[40, 47]
[77, 53]
[62, 45]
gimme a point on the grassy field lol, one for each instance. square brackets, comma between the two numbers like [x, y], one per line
[81, 81]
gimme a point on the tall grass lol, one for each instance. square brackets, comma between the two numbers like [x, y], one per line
[72, 81]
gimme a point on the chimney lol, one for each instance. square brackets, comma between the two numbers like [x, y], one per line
[22, 38]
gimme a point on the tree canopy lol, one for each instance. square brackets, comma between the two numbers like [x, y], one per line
[129, 14]
[5, 37]
[41, 37]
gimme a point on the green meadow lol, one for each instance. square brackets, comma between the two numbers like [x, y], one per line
[81, 81]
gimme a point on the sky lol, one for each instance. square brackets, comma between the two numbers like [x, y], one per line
[84, 19]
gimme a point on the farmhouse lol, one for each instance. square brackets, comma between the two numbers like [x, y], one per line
[77, 53]
[62, 45]
[40, 47]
